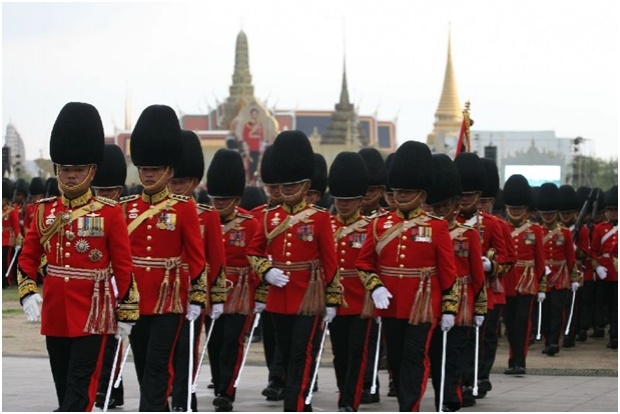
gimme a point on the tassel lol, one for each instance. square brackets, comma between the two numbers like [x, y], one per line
[175, 301]
[313, 302]
[368, 307]
[239, 300]
[92, 321]
[163, 294]
[414, 316]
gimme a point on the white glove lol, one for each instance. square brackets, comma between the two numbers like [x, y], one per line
[381, 297]
[114, 286]
[486, 264]
[547, 270]
[123, 330]
[478, 320]
[541, 296]
[259, 307]
[574, 286]
[330, 314]
[276, 277]
[193, 312]
[31, 307]
[601, 272]
[447, 321]
[378, 319]
[216, 311]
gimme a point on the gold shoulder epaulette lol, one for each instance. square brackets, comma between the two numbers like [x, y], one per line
[180, 197]
[434, 216]
[45, 200]
[245, 215]
[270, 208]
[385, 213]
[317, 208]
[107, 201]
[129, 198]
[465, 226]
[204, 206]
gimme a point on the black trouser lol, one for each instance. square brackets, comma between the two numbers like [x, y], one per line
[299, 338]
[611, 298]
[455, 361]
[106, 370]
[181, 364]
[350, 336]
[489, 332]
[553, 316]
[517, 316]
[468, 355]
[153, 340]
[586, 305]
[273, 356]
[76, 366]
[407, 353]
[600, 304]
[574, 322]
[226, 350]
[372, 351]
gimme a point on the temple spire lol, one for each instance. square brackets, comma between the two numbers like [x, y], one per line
[344, 92]
[448, 116]
[128, 126]
[241, 91]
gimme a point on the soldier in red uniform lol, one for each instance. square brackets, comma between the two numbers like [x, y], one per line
[407, 264]
[605, 260]
[37, 192]
[491, 327]
[11, 236]
[444, 197]
[526, 280]
[560, 261]
[294, 252]
[494, 255]
[187, 175]
[585, 196]
[350, 330]
[226, 181]
[318, 183]
[164, 232]
[85, 240]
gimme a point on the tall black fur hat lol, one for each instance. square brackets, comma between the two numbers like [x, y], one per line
[499, 204]
[377, 172]
[388, 163]
[37, 186]
[348, 176]
[77, 135]
[472, 171]
[599, 197]
[447, 182]
[568, 198]
[491, 178]
[611, 197]
[266, 172]
[20, 187]
[226, 175]
[253, 197]
[517, 191]
[156, 139]
[51, 187]
[192, 163]
[585, 193]
[412, 167]
[112, 171]
[203, 197]
[319, 178]
[534, 199]
[293, 158]
[7, 189]
[548, 197]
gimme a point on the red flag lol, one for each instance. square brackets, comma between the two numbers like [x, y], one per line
[464, 144]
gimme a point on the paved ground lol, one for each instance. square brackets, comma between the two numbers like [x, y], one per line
[27, 387]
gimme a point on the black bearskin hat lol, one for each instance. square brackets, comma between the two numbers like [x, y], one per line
[534, 198]
[253, 197]
[348, 176]
[447, 182]
[517, 191]
[51, 187]
[226, 175]
[7, 189]
[548, 197]
[599, 197]
[21, 187]
[192, 163]
[472, 172]
[491, 178]
[611, 197]
[156, 139]
[37, 186]
[388, 163]
[112, 171]
[586, 193]
[203, 197]
[266, 172]
[499, 201]
[412, 167]
[293, 158]
[77, 136]
[377, 172]
[568, 198]
[319, 178]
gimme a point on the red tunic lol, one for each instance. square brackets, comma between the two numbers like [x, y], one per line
[497, 286]
[529, 271]
[405, 265]
[214, 251]
[29, 216]
[172, 231]
[10, 226]
[95, 241]
[605, 253]
[559, 256]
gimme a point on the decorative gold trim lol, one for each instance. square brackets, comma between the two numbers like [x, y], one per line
[155, 198]
[77, 202]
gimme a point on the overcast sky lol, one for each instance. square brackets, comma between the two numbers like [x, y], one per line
[524, 65]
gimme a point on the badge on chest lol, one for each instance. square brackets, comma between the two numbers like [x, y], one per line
[305, 232]
[167, 221]
[529, 238]
[90, 226]
[461, 247]
[236, 237]
[356, 240]
[422, 234]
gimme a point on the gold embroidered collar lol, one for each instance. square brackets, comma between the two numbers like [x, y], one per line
[294, 209]
[77, 202]
[155, 198]
[230, 217]
[411, 215]
[350, 220]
